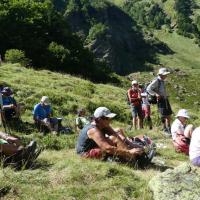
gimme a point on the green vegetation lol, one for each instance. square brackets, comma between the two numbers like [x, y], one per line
[60, 173]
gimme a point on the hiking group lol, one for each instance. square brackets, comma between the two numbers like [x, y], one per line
[97, 138]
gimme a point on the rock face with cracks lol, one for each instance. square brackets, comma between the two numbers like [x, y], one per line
[180, 183]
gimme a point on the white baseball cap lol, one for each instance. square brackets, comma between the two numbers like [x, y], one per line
[103, 112]
[45, 100]
[183, 113]
[134, 82]
[163, 71]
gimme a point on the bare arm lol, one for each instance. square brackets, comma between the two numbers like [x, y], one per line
[10, 139]
[106, 145]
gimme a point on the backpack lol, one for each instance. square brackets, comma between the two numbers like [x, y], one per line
[150, 150]
[152, 99]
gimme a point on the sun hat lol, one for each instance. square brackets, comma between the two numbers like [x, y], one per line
[183, 113]
[134, 82]
[45, 100]
[163, 71]
[103, 112]
[7, 91]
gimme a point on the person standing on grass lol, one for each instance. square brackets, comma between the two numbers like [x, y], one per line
[134, 97]
[98, 139]
[181, 132]
[157, 88]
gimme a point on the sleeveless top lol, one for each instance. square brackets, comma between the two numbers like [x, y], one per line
[84, 143]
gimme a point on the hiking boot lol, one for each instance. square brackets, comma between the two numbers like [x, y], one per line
[31, 147]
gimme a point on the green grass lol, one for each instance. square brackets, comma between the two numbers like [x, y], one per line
[59, 172]
[186, 52]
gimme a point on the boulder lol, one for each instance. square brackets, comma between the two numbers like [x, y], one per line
[180, 183]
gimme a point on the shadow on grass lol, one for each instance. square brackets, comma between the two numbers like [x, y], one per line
[4, 190]
[41, 164]
[19, 125]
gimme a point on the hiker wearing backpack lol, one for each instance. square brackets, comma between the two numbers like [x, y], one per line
[157, 88]
[98, 139]
[181, 132]
[134, 96]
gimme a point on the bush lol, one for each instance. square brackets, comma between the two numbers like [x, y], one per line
[16, 56]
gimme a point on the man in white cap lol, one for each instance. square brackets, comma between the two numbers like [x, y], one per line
[134, 96]
[181, 132]
[157, 88]
[42, 114]
[99, 139]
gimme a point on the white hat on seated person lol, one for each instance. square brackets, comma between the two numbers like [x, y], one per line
[45, 100]
[134, 82]
[183, 113]
[103, 112]
[163, 71]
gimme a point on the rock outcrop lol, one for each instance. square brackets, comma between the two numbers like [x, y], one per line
[181, 183]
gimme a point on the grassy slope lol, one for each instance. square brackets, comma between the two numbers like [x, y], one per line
[62, 174]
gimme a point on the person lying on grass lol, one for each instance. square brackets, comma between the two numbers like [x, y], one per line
[98, 139]
[12, 151]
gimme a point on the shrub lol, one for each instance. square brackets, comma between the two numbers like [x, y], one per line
[16, 56]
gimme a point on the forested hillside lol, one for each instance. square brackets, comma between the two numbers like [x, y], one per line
[94, 38]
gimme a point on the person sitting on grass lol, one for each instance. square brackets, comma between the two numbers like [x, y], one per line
[194, 150]
[98, 139]
[12, 152]
[81, 120]
[10, 107]
[181, 132]
[42, 115]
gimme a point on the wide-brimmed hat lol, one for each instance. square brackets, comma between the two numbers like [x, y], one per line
[183, 113]
[163, 71]
[45, 100]
[7, 91]
[103, 112]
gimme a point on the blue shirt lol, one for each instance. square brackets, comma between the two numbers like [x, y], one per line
[7, 100]
[41, 112]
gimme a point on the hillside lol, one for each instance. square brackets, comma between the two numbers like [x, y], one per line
[60, 173]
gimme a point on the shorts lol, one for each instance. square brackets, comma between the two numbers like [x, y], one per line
[136, 111]
[93, 153]
[146, 111]
[164, 107]
[196, 161]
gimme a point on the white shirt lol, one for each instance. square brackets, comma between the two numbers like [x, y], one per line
[195, 144]
[177, 126]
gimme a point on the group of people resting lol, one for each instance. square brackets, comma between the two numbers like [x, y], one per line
[98, 139]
